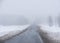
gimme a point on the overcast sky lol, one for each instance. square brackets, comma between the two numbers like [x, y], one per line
[30, 8]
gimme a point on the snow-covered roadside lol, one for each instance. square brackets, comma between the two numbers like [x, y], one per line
[9, 31]
[50, 34]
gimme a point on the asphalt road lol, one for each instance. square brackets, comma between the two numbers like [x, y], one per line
[30, 36]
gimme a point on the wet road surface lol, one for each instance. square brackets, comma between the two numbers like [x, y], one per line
[30, 36]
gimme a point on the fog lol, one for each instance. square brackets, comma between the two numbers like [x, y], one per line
[33, 10]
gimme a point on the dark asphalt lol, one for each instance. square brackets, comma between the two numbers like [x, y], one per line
[30, 36]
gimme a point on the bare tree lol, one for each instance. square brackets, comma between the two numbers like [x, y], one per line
[50, 21]
[58, 19]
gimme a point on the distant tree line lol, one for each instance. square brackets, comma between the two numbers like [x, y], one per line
[50, 20]
[13, 20]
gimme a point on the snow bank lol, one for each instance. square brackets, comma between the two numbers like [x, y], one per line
[50, 34]
[9, 31]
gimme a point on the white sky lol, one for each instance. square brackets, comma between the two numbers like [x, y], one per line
[30, 8]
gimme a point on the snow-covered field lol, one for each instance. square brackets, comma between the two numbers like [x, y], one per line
[9, 31]
[50, 34]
